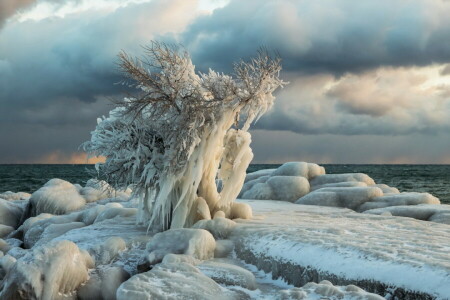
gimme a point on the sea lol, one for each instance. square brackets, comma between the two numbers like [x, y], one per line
[434, 179]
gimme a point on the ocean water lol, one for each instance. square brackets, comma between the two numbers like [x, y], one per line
[434, 179]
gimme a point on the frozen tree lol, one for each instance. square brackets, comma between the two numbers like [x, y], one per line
[183, 132]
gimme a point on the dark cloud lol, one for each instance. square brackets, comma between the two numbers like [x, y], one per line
[9, 7]
[323, 36]
[57, 74]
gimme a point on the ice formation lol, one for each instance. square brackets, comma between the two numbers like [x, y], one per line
[47, 272]
[173, 139]
[288, 183]
[392, 256]
[197, 243]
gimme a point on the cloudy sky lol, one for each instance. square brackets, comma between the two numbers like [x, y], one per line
[369, 80]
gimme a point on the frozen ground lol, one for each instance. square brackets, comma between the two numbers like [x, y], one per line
[382, 254]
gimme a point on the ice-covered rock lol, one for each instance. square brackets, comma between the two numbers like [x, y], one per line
[113, 212]
[10, 196]
[348, 197]
[10, 213]
[387, 189]
[426, 212]
[240, 211]
[56, 197]
[47, 272]
[171, 281]
[103, 283]
[104, 253]
[410, 198]
[228, 274]
[96, 190]
[223, 248]
[299, 169]
[336, 178]
[198, 243]
[399, 257]
[258, 174]
[326, 290]
[5, 230]
[220, 228]
[286, 188]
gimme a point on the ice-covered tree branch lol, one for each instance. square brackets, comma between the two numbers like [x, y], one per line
[181, 132]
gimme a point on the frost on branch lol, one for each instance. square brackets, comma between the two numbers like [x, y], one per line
[181, 132]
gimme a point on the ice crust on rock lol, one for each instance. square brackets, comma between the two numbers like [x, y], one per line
[303, 243]
[300, 169]
[336, 178]
[426, 212]
[47, 272]
[170, 281]
[410, 198]
[288, 182]
[56, 197]
[10, 213]
[11, 196]
[228, 274]
[198, 243]
[349, 197]
[219, 227]
[326, 290]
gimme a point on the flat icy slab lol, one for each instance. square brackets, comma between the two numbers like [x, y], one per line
[405, 257]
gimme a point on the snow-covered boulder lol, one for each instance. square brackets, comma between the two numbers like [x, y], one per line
[228, 274]
[349, 197]
[10, 213]
[198, 243]
[326, 290]
[171, 281]
[426, 212]
[387, 189]
[47, 272]
[56, 197]
[301, 169]
[410, 198]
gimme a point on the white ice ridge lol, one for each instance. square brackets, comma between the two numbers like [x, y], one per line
[346, 247]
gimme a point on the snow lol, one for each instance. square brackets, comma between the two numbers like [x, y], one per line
[343, 246]
[198, 243]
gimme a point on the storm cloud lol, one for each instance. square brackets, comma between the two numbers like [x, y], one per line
[356, 68]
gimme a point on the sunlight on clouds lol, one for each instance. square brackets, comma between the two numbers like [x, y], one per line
[58, 157]
[45, 9]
